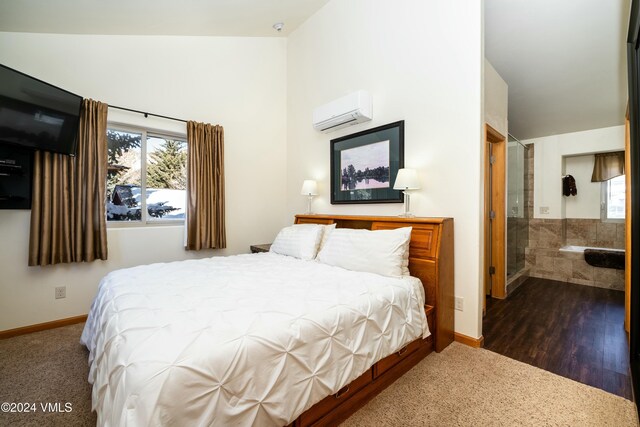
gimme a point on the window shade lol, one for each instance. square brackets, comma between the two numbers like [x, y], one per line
[607, 166]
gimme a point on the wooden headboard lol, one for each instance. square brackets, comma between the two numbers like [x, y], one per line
[430, 259]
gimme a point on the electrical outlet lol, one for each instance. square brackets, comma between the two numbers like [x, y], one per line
[61, 292]
[459, 303]
[544, 210]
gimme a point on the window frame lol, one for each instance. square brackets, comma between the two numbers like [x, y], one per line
[146, 133]
[604, 202]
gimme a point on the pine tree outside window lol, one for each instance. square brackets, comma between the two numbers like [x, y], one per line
[146, 177]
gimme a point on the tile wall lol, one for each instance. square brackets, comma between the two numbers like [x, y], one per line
[546, 236]
[528, 180]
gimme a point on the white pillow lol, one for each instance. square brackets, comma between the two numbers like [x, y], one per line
[325, 234]
[300, 241]
[383, 252]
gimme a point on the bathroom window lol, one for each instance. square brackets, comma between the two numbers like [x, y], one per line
[613, 195]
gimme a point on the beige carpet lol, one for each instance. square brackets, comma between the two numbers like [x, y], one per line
[463, 386]
[459, 387]
[46, 367]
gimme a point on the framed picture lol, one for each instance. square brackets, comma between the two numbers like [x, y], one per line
[364, 165]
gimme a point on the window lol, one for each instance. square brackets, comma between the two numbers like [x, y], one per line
[613, 195]
[146, 177]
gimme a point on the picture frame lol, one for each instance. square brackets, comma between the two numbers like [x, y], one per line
[364, 165]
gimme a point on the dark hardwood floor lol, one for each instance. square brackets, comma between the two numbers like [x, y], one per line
[571, 330]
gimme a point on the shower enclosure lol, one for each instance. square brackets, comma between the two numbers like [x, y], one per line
[518, 202]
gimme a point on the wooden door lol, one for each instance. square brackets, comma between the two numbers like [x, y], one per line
[495, 149]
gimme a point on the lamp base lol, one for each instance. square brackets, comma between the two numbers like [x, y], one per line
[309, 200]
[407, 203]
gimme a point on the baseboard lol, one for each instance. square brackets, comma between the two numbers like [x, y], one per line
[471, 342]
[42, 326]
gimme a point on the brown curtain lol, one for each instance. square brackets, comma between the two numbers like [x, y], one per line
[607, 166]
[68, 221]
[205, 186]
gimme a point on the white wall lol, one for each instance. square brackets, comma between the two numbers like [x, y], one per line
[422, 63]
[496, 100]
[548, 163]
[239, 83]
[586, 204]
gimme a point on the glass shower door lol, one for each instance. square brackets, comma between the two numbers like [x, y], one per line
[517, 221]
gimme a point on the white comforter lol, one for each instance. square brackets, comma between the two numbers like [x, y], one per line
[240, 340]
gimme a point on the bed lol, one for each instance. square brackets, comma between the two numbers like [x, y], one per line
[265, 339]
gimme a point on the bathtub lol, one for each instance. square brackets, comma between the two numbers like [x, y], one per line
[572, 248]
[599, 257]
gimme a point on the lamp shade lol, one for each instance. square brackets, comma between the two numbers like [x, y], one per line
[407, 179]
[309, 188]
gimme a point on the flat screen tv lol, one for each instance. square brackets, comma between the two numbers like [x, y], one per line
[37, 115]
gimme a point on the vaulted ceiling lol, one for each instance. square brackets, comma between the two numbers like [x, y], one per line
[564, 62]
[249, 18]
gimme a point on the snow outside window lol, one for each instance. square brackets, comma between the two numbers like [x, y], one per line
[146, 177]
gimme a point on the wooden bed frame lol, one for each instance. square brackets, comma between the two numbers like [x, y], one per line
[430, 260]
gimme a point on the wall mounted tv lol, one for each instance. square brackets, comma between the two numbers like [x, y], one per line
[37, 115]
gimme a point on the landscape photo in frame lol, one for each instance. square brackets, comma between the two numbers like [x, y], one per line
[364, 165]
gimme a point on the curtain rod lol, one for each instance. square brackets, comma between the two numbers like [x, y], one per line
[147, 114]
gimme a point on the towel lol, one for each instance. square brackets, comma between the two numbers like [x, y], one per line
[569, 186]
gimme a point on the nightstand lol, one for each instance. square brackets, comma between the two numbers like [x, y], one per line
[260, 248]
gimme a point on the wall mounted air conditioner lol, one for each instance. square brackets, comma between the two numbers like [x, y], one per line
[346, 111]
